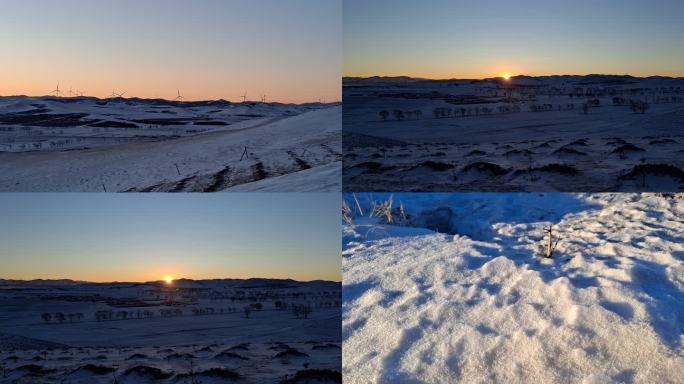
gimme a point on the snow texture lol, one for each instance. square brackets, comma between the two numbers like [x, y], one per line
[480, 304]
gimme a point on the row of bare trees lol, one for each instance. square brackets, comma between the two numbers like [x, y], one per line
[105, 315]
[637, 106]
[60, 317]
[212, 311]
[400, 115]
[299, 310]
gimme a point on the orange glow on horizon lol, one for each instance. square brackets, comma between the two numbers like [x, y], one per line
[286, 94]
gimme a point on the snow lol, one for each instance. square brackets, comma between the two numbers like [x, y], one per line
[602, 147]
[169, 148]
[479, 303]
[221, 337]
[319, 179]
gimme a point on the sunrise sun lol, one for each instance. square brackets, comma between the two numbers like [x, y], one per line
[168, 279]
[506, 76]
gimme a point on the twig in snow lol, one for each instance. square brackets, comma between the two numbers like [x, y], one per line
[402, 212]
[358, 205]
[384, 209]
[347, 214]
[550, 247]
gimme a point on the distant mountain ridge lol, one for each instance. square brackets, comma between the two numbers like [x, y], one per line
[588, 79]
[244, 283]
[157, 101]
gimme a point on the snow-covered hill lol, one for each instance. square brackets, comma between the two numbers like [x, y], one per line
[478, 303]
[209, 331]
[115, 145]
[590, 133]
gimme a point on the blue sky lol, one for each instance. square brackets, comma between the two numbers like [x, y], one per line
[143, 237]
[476, 39]
[290, 50]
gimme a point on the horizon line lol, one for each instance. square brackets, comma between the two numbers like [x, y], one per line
[162, 280]
[512, 76]
[174, 101]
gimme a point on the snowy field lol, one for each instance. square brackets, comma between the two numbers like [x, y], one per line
[457, 289]
[187, 332]
[522, 134]
[86, 144]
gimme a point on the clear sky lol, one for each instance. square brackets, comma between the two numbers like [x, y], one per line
[145, 237]
[210, 49]
[486, 38]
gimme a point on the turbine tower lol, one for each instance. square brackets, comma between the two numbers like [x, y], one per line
[56, 91]
[179, 97]
[263, 98]
[114, 94]
[244, 97]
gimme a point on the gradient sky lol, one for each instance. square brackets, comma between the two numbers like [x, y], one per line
[143, 237]
[210, 49]
[478, 39]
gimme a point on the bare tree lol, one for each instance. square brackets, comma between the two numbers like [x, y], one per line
[306, 311]
[59, 316]
[398, 114]
[639, 106]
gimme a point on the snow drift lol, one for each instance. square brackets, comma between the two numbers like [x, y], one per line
[480, 304]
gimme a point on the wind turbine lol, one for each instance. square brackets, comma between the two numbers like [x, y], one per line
[114, 94]
[71, 92]
[56, 91]
[179, 97]
[244, 97]
[263, 98]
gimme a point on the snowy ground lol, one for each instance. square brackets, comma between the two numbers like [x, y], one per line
[87, 144]
[195, 329]
[490, 139]
[478, 303]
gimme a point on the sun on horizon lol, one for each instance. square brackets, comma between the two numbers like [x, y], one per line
[168, 279]
[506, 76]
